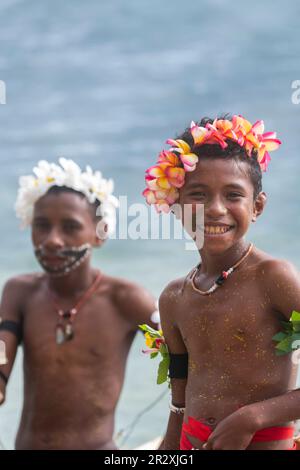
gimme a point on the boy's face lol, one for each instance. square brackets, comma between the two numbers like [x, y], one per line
[62, 222]
[226, 190]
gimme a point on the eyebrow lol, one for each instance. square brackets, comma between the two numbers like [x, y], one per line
[68, 220]
[230, 185]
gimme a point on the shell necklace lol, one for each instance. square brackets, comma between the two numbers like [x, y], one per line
[223, 276]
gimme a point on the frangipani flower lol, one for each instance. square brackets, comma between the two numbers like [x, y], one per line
[225, 127]
[186, 156]
[199, 133]
[161, 199]
[69, 174]
[164, 179]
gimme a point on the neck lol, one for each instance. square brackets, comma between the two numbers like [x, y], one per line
[213, 264]
[76, 281]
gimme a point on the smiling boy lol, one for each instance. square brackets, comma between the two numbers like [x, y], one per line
[76, 323]
[229, 389]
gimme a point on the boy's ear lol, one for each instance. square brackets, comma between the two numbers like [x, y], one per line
[259, 205]
[100, 234]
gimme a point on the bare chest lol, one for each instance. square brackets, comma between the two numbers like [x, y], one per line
[237, 317]
[98, 331]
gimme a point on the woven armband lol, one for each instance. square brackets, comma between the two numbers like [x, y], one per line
[178, 368]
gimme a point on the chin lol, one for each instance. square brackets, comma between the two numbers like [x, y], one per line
[217, 246]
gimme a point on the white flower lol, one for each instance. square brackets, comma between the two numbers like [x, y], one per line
[69, 174]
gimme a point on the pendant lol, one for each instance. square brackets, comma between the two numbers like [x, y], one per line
[69, 332]
[60, 334]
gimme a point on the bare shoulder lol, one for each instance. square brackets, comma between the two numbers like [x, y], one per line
[279, 270]
[15, 293]
[133, 301]
[20, 285]
[170, 298]
[172, 290]
[281, 280]
[269, 269]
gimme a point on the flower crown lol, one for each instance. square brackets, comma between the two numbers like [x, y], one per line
[168, 175]
[68, 174]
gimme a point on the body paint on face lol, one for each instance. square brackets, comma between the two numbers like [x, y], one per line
[71, 258]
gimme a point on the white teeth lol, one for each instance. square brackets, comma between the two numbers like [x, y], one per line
[210, 229]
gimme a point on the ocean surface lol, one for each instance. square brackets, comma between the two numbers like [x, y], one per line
[105, 83]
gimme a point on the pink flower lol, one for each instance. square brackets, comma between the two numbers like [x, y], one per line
[164, 179]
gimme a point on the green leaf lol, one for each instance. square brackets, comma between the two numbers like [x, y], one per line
[146, 328]
[153, 355]
[162, 375]
[151, 332]
[164, 350]
[285, 345]
[296, 326]
[295, 337]
[295, 316]
[279, 336]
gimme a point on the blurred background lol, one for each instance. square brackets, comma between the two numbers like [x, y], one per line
[106, 83]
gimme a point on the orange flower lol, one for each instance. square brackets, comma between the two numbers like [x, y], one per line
[168, 175]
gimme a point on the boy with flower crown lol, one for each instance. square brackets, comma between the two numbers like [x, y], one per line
[232, 387]
[76, 323]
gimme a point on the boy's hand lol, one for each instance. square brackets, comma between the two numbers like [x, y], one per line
[234, 432]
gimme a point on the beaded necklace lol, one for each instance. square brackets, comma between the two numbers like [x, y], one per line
[223, 276]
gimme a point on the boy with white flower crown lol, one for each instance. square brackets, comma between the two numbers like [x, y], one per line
[76, 323]
[232, 385]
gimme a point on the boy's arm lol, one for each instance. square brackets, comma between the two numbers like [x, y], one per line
[10, 327]
[138, 305]
[167, 308]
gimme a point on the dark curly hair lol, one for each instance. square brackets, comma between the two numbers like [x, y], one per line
[233, 151]
[64, 189]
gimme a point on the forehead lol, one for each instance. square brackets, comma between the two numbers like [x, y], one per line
[63, 206]
[219, 172]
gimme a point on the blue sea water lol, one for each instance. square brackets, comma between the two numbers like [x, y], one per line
[105, 83]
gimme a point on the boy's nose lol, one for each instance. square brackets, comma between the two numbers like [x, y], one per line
[215, 208]
[53, 241]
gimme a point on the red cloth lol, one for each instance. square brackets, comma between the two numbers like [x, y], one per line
[202, 432]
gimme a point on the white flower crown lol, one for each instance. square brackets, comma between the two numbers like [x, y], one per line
[69, 174]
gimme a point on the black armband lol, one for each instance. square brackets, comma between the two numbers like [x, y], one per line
[178, 368]
[3, 377]
[14, 328]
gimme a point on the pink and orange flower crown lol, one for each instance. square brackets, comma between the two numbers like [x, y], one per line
[164, 179]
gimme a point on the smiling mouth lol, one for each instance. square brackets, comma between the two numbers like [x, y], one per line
[217, 229]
